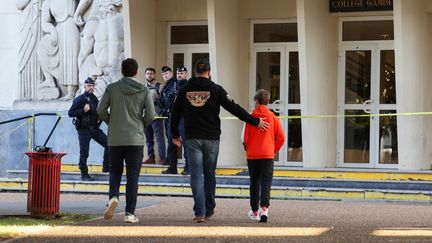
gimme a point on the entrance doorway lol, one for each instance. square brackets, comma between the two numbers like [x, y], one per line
[367, 85]
[276, 69]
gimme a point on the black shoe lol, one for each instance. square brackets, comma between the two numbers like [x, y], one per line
[86, 177]
[170, 171]
[105, 169]
[185, 172]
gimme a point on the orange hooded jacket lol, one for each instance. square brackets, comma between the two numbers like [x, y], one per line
[263, 144]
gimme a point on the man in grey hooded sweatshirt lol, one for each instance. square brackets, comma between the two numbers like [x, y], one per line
[127, 108]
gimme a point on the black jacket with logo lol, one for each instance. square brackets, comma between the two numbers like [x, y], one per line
[199, 102]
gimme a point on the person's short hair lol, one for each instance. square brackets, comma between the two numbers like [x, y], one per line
[129, 67]
[166, 69]
[262, 96]
[202, 66]
[150, 69]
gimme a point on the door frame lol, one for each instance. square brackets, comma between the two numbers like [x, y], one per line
[187, 49]
[375, 47]
[284, 49]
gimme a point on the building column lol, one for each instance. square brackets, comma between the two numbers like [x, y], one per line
[413, 83]
[139, 18]
[224, 45]
[318, 48]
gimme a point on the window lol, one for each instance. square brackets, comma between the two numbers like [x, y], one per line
[368, 30]
[189, 34]
[275, 32]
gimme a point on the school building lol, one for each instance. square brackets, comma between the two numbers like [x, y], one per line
[358, 71]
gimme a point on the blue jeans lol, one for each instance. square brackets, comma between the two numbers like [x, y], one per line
[155, 130]
[132, 155]
[203, 156]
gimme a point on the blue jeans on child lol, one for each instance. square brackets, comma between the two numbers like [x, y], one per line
[203, 156]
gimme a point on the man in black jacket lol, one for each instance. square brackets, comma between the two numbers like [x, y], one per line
[199, 102]
[87, 123]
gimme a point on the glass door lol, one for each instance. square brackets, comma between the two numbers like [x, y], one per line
[186, 56]
[275, 69]
[367, 87]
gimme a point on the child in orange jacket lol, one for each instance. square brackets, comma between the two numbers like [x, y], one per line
[261, 147]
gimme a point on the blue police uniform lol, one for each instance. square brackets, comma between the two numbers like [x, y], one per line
[87, 125]
[168, 95]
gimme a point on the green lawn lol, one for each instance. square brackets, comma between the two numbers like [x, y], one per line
[12, 226]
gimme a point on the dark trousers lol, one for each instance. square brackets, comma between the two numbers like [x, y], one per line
[172, 148]
[261, 176]
[84, 137]
[132, 155]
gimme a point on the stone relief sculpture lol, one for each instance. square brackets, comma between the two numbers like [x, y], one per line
[77, 39]
[102, 48]
[29, 71]
[58, 49]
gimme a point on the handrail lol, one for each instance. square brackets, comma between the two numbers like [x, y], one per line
[33, 116]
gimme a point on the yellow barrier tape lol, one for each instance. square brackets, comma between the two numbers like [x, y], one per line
[334, 116]
[30, 134]
[13, 130]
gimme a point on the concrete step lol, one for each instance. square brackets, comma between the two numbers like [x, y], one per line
[244, 181]
[328, 173]
[234, 191]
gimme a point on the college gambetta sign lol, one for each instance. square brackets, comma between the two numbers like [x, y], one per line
[360, 5]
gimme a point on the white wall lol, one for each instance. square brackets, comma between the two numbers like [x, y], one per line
[318, 58]
[9, 19]
[413, 65]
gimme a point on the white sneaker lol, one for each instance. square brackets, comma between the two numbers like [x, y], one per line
[112, 205]
[264, 214]
[254, 215]
[131, 218]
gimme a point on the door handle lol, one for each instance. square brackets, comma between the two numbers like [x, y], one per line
[276, 103]
[365, 109]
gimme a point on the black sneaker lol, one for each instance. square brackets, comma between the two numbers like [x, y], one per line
[170, 171]
[86, 177]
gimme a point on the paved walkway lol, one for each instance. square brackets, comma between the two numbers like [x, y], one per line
[168, 219]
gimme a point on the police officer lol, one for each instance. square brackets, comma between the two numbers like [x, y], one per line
[182, 76]
[87, 123]
[168, 95]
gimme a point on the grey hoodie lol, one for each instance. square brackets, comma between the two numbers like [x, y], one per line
[127, 108]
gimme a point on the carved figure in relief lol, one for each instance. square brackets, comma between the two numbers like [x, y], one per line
[59, 47]
[29, 70]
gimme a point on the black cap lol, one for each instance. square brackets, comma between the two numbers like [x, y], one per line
[89, 80]
[181, 68]
[202, 65]
[166, 69]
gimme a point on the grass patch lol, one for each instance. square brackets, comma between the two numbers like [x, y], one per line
[12, 226]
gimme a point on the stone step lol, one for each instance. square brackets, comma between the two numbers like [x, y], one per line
[329, 173]
[234, 191]
[242, 180]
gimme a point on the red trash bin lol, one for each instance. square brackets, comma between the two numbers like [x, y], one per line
[43, 197]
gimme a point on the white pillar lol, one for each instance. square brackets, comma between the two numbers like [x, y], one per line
[413, 77]
[223, 26]
[140, 32]
[318, 48]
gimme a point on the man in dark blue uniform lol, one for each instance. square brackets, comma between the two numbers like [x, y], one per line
[87, 123]
[168, 95]
[182, 78]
